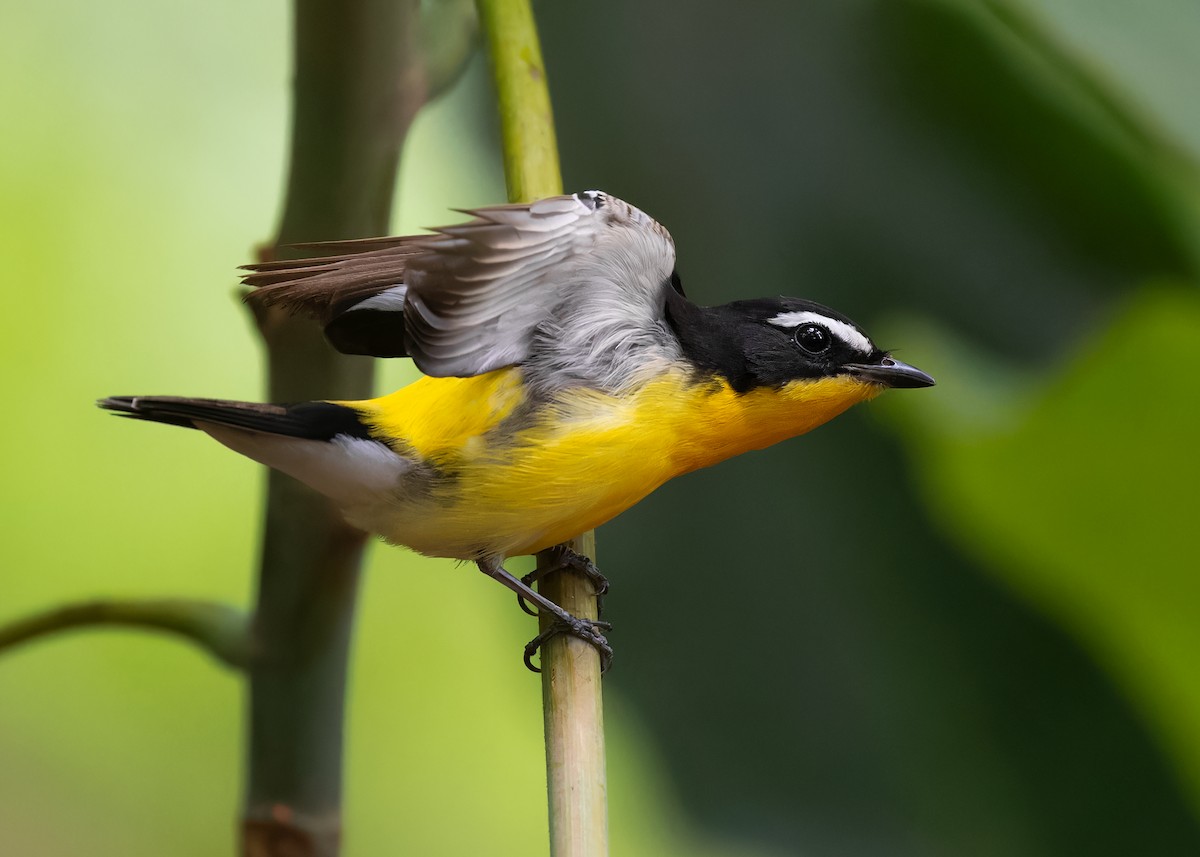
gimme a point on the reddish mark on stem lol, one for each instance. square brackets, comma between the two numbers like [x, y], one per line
[532, 65]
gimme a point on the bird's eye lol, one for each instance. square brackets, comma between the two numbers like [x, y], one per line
[813, 338]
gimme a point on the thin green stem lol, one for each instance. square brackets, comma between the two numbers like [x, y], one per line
[219, 629]
[573, 712]
[531, 168]
[571, 697]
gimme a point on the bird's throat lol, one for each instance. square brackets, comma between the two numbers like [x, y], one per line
[719, 423]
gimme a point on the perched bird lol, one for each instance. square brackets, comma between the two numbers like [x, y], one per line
[567, 377]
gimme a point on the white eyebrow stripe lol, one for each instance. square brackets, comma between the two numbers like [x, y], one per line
[848, 333]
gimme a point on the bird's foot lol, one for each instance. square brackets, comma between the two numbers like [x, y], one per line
[562, 558]
[587, 630]
[561, 622]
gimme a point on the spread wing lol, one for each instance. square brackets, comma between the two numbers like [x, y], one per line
[470, 298]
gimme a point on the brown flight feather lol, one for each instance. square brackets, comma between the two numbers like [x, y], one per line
[323, 286]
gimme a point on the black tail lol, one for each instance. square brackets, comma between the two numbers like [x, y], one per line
[312, 420]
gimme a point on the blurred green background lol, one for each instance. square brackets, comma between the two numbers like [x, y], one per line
[957, 621]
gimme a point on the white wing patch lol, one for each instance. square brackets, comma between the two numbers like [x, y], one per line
[848, 333]
[391, 300]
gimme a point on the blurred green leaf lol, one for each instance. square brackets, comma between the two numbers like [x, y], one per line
[993, 73]
[1146, 52]
[1084, 500]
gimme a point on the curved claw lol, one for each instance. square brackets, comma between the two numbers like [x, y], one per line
[568, 559]
[528, 580]
[587, 630]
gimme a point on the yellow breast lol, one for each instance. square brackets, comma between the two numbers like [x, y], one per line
[518, 479]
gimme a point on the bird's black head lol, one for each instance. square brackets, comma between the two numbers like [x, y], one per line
[769, 342]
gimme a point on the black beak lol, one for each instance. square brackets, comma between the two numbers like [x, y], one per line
[890, 373]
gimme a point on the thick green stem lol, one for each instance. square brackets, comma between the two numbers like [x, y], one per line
[572, 702]
[449, 32]
[359, 81]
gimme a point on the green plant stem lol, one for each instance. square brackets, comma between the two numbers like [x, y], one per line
[571, 695]
[531, 168]
[359, 81]
[219, 629]
[573, 712]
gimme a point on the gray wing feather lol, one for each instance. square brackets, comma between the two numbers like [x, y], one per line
[476, 299]
[589, 268]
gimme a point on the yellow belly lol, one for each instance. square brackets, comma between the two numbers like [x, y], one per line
[517, 482]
